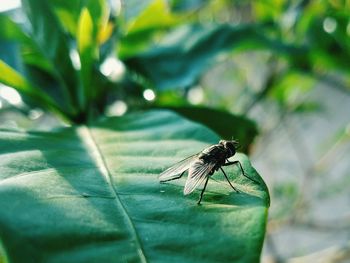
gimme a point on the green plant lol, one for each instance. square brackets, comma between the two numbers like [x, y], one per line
[89, 192]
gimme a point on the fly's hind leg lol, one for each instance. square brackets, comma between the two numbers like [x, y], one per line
[177, 177]
[205, 186]
[240, 166]
[228, 180]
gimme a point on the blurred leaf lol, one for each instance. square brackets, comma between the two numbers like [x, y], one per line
[269, 10]
[10, 30]
[186, 52]
[188, 5]
[50, 37]
[172, 98]
[309, 107]
[87, 51]
[13, 79]
[9, 53]
[227, 125]
[105, 32]
[23, 55]
[30, 52]
[91, 194]
[140, 31]
[291, 88]
[156, 15]
[329, 50]
[133, 8]
[3, 256]
[99, 11]
[68, 13]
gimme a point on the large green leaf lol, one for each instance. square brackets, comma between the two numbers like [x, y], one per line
[91, 194]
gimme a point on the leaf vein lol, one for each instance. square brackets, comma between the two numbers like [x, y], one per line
[88, 137]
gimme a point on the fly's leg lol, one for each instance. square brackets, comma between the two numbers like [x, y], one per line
[240, 166]
[177, 177]
[205, 186]
[228, 180]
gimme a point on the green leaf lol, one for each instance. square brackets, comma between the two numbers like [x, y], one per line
[91, 194]
[87, 51]
[3, 256]
[50, 37]
[30, 52]
[10, 30]
[186, 52]
[225, 124]
[69, 13]
[156, 15]
[12, 78]
[290, 88]
[140, 31]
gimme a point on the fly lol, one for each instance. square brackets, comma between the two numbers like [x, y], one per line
[202, 165]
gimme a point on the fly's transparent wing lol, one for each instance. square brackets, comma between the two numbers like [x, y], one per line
[177, 169]
[197, 173]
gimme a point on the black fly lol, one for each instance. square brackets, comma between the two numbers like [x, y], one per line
[203, 165]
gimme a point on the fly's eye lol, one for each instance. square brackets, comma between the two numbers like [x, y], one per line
[231, 147]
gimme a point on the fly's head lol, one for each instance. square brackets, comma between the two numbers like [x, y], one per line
[230, 146]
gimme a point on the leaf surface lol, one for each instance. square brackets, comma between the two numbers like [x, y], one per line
[91, 194]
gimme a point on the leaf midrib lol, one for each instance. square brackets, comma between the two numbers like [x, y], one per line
[86, 134]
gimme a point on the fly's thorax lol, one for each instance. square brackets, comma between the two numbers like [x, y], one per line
[213, 153]
[211, 149]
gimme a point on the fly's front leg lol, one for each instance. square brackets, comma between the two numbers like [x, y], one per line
[240, 166]
[228, 180]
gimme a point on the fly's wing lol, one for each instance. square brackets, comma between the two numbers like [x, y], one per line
[198, 172]
[174, 171]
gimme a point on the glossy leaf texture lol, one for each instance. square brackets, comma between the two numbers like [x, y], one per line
[91, 194]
